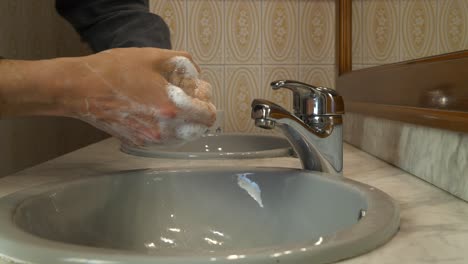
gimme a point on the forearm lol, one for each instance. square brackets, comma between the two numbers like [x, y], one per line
[106, 24]
[26, 88]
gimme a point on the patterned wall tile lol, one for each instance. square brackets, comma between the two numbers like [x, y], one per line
[453, 25]
[215, 76]
[426, 28]
[318, 75]
[242, 29]
[317, 34]
[242, 84]
[174, 14]
[205, 31]
[418, 29]
[381, 25]
[282, 97]
[357, 32]
[280, 32]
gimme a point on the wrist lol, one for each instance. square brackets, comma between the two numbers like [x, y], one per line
[29, 88]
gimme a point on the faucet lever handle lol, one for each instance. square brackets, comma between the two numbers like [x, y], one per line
[309, 100]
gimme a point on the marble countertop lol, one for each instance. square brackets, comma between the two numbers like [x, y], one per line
[434, 224]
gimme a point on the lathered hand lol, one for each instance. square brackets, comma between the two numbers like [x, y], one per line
[139, 95]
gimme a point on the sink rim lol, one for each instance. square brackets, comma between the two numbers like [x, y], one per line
[170, 154]
[378, 225]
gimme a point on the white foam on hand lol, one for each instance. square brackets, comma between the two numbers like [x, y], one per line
[183, 130]
[142, 124]
[179, 97]
[183, 63]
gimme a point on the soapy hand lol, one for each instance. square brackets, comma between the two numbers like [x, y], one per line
[140, 95]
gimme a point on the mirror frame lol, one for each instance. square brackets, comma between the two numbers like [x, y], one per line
[431, 91]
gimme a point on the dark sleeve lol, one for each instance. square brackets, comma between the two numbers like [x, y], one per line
[106, 24]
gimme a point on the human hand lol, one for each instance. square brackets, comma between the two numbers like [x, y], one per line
[139, 95]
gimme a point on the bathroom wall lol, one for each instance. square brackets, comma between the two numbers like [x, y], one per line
[243, 45]
[32, 30]
[386, 31]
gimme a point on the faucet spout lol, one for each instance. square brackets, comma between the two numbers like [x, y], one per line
[317, 139]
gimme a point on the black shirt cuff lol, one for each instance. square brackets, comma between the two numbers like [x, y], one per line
[106, 24]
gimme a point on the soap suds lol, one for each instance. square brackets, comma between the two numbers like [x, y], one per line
[189, 132]
[184, 66]
[250, 187]
[179, 97]
[135, 122]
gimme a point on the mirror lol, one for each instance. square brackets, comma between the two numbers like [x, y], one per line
[391, 31]
[405, 60]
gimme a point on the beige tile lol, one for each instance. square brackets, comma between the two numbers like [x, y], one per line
[453, 25]
[381, 25]
[280, 32]
[282, 97]
[418, 34]
[242, 83]
[318, 75]
[357, 31]
[215, 76]
[174, 13]
[317, 32]
[242, 28]
[205, 31]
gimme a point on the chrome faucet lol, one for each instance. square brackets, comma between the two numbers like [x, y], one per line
[315, 128]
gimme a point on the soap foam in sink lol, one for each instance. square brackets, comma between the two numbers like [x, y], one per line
[189, 132]
[250, 187]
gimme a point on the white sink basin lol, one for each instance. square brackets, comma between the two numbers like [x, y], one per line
[219, 146]
[236, 215]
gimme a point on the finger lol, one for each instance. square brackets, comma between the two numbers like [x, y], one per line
[203, 91]
[195, 88]
[123, 134]
[167, 129]
[201, 112]
[179, 66]
[149, 126]
[192, 109]
[188, 56]
[156, 103]
[188, 85]
[129, 129]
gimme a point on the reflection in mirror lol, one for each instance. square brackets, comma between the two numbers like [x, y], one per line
[389, 31]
